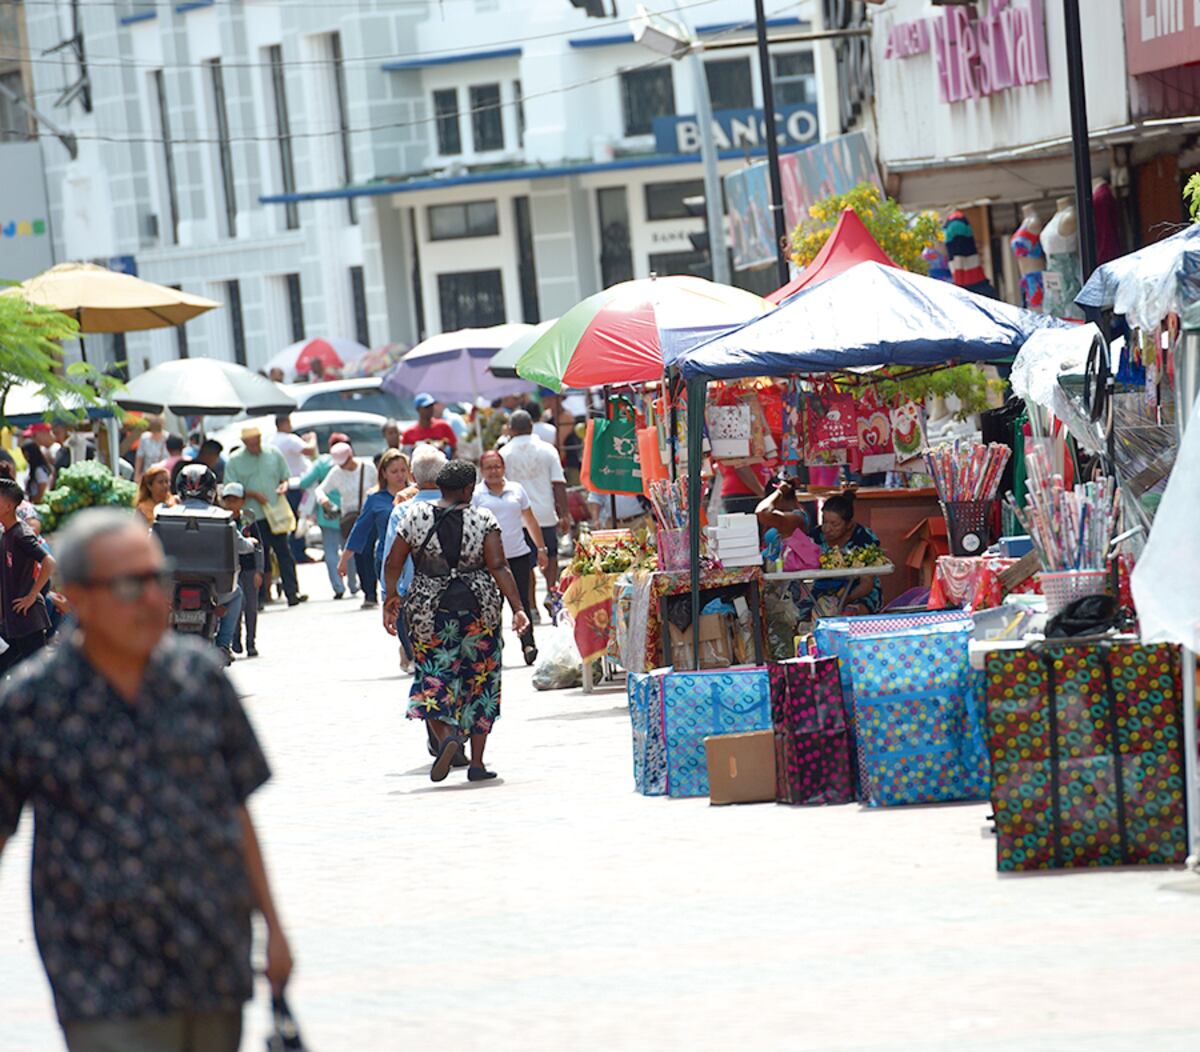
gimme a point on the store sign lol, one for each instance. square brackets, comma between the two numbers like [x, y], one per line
[25, 244]
[1160, 34]
[1003, 47]
[808, 176]
[738, 130]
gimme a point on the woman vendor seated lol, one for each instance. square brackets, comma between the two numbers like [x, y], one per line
[838, 530]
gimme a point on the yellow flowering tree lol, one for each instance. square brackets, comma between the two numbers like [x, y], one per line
[903, 236]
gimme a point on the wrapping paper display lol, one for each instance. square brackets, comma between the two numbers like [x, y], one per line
[645, 691]
[812, 738]
[917, 718]
[1086, 745]
[699, 704]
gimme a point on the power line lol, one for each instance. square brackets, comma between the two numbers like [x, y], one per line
[388, 126]
[67, 61]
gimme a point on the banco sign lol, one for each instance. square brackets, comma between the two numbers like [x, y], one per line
[738, 130]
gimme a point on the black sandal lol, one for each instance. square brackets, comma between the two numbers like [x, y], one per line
[448, 750]
[480, 774]
[530, 652]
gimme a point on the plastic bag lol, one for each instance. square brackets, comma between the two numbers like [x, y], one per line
[801, 552]
[559, 665]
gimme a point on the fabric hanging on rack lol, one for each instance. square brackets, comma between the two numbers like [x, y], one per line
[965, 266]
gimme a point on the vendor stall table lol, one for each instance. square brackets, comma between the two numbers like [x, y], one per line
[646, 645]
[891, 514]
[830, 575]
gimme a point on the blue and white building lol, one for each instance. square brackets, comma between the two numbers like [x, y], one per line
[393, 168]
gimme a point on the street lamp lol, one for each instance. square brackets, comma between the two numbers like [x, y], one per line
[673, 39]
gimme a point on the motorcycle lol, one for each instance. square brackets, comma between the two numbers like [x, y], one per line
[200, 542]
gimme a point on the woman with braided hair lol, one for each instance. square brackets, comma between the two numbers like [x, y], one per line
[453, 609]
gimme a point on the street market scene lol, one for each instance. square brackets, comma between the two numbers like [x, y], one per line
[681, 514]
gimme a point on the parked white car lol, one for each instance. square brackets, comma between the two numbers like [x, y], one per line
[362, 395]
[363, 429]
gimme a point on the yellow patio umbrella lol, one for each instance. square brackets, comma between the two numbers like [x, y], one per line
[103, 300]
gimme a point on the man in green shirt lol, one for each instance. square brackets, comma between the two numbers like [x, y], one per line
[263, 474]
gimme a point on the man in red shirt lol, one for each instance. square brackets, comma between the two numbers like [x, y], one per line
[427, 429]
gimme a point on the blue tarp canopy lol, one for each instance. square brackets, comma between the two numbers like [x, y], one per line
[869, 316]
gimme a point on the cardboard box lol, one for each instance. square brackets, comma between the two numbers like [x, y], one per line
[741, 768]
[716, 648]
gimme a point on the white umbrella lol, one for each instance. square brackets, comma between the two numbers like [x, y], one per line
[204, 387]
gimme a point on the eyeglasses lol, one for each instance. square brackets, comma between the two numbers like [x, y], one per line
[130, 587]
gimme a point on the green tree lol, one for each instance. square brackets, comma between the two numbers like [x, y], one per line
[903, 237]
[31, 352]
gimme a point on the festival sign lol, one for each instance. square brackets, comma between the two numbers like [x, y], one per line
[1160, 34]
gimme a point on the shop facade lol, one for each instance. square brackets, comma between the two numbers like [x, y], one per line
[973, 114]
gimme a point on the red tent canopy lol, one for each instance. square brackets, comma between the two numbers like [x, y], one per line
[849, 244]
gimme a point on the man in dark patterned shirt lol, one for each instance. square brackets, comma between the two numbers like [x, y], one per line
[134, 752]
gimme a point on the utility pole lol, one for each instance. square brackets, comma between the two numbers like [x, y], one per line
[1080, 141]
[768, 93]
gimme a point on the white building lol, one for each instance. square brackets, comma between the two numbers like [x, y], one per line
[392, 168]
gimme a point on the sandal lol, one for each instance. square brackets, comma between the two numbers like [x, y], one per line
[448, 751]
[531, 653]
[480, 774]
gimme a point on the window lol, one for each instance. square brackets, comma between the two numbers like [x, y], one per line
[665, 200]
[487, 128]
[471, 299]
[233, 303]
[283, 130]
[224, 154]
[519, 104]
[616, 257]
[472, 219]
[445, 111]
[164, 128]
[295, 302]
[358, 292]
[14, 121]
[646, 94]
[795, 79]
[730, 84]
[664, 263]
[181, 340]
[526, 264]
[343, 115]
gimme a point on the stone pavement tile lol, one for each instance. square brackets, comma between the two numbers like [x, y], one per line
[556, 909]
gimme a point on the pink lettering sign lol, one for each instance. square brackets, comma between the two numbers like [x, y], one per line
[907, 39]
[1001, 49]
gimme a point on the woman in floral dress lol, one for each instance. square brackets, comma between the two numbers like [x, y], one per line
[453, 611]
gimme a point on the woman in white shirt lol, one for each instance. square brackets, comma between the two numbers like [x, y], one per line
[352, 481]
[509, 502]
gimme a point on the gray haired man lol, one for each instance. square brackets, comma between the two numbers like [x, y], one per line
[134, 751]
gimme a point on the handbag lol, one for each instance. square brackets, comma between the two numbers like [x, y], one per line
[613, 461]
[280, 517]
[729, 430]
[285, 1033]
[346, 522]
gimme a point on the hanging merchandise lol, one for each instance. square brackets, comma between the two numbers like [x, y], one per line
[729, 430]
[1031, 259]
[770, 399]
[1063, 278]
[908, 431]
[832, 420]
[792, 446]
[965, 267]
[938, 261]
[653, 468]
[611, 450]
[874, 434]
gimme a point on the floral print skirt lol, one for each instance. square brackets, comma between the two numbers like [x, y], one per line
[457, 678]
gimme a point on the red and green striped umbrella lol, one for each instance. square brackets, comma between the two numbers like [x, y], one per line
[628, 333]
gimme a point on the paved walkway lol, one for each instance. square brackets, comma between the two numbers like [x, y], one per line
[555, 909]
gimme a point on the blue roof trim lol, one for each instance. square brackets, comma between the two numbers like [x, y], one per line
[717, 27]
[448, 60]
[192, 5]
[507, 176]
[140, 16]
